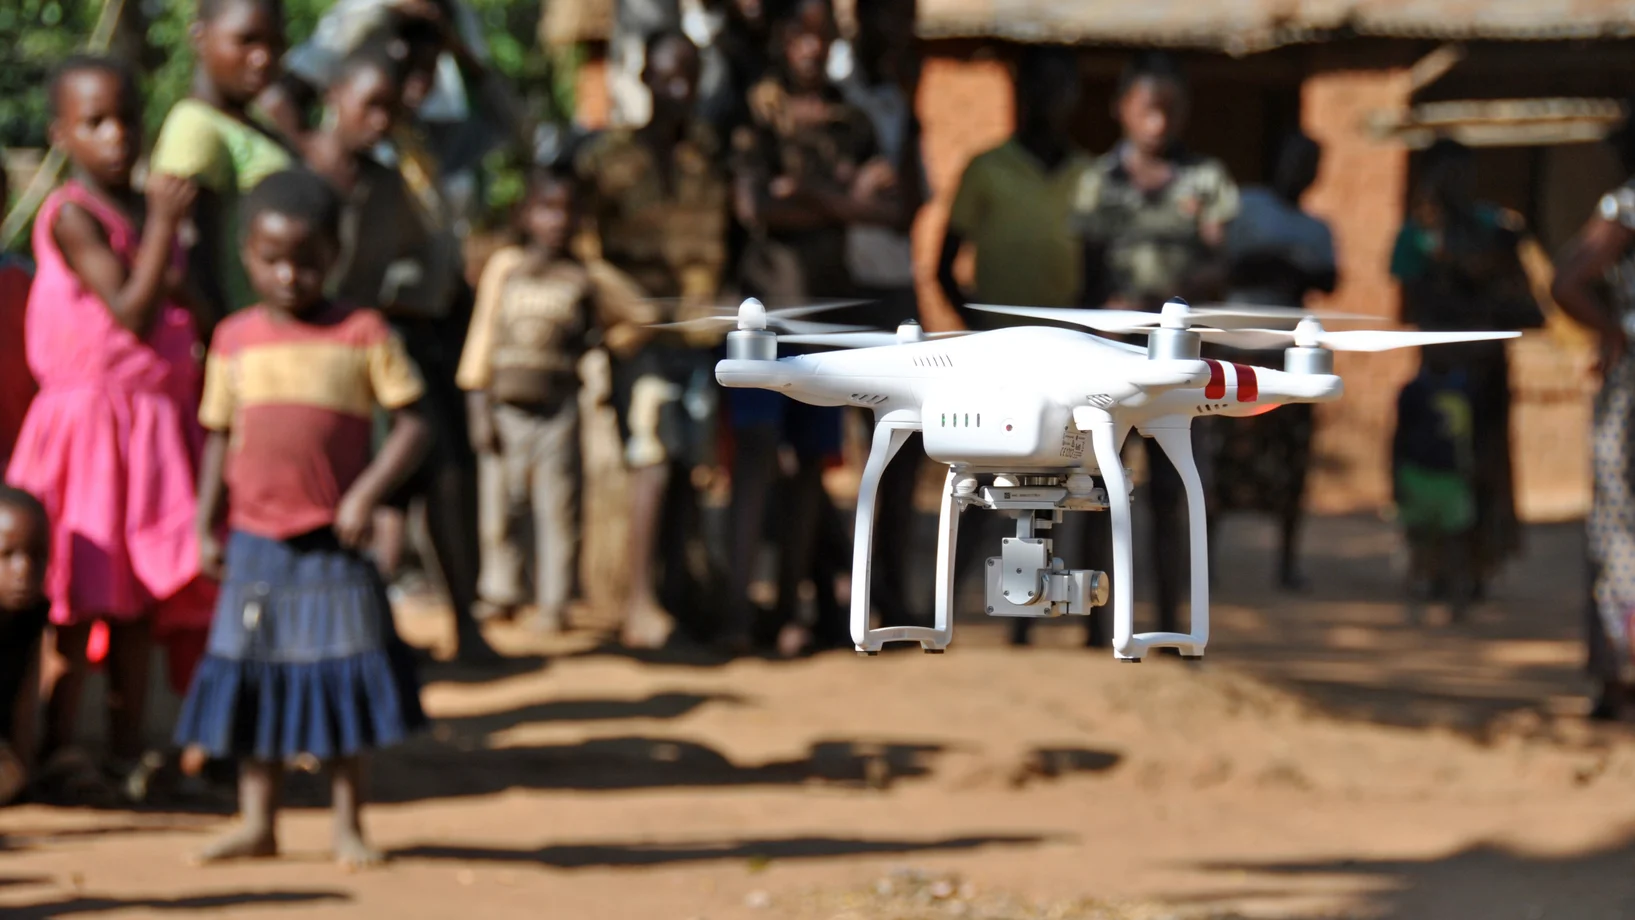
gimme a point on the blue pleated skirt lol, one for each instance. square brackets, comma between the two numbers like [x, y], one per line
[303, 657]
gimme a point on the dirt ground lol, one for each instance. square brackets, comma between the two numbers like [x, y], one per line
[1328, 759]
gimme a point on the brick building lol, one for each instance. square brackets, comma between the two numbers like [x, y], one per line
[1530, 83]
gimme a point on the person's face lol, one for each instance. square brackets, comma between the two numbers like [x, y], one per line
[548, 216]
[97, 126]
[239, 48]
[24, 546]
[672, 77]
[287, 262]
[365, 104]
[750, 12]
[1152, 114]
[806, 46]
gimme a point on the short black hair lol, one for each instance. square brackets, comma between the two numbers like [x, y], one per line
[19, 500]
[210, 9]
[660, 36]
[89, 63]
[1155, 66]
[415, 31]
[299, 193]
[1045, 69]
[382, 51]
[555, 174]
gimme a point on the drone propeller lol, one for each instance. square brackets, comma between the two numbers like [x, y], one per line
[872, 338]
[753, 315]
[1175, 315]
[1310, 334]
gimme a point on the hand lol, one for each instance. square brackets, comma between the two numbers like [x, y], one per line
[210, 557]
[170, 198]
[485, 438]
[354, 519]
[876, 176]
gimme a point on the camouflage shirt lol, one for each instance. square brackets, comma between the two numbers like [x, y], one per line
[670, 238]
[1151, 240]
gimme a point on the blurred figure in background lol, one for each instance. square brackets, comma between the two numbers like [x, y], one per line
[805, 170]
[1456, 259]
[17, 387]
[657, 211]
[539, 309]
[1012, 209]
[1153, 215]
[1277, 254]
[1602, 259]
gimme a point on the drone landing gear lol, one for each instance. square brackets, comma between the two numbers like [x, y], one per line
[888, 439]
[1174, 437]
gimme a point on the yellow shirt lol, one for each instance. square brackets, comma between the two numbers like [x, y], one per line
[1017, 216]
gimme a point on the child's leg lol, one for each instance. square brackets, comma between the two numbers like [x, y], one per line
[130, 656]
[259, 784]
[554, 494]
[346, 794]
[63, 697]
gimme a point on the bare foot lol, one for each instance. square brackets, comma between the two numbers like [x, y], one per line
[793, 640]
[646, 626]
[248, 842]
[12, 775]
[193, 760]
[353, 854]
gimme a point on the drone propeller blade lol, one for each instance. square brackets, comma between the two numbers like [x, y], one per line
[871, 338]
[1248, 339]
[1101, 320]
[1222, 316]
[1366, 340]
[777, 322]
[774, 306]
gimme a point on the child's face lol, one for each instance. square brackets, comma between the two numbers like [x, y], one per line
[806, 44]
[548, 217]
[365, 104]
[1152, 114]
[23, 549]
[287, 262]
[97, 126]
[239, 48]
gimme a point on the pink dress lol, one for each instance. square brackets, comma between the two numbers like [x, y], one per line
[111, 444]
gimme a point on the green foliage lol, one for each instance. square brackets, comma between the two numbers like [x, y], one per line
[34, 36]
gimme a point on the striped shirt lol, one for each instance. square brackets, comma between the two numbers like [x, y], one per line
[298, 398]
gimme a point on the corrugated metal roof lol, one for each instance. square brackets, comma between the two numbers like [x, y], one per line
[1231, 25]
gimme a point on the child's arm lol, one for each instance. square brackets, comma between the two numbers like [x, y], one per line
[133, 296]
[212, 502]
[398, 457]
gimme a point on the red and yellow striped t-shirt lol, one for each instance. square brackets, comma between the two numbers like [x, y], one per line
[298, 397]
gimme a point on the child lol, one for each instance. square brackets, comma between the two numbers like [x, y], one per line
[303, 659]
[25, 541]
[210, 136]
[537, 309]
[1433, 463]
[110, 444]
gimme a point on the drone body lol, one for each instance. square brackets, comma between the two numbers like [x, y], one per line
[1031, 421]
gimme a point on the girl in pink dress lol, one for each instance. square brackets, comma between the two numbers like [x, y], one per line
[111, 444]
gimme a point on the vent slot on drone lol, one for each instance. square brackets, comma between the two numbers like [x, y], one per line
[869, 399]
[933, 361]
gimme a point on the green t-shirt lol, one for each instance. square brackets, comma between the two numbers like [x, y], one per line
[1016, 214]
[228, 157]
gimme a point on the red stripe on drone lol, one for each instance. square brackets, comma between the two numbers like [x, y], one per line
[1216, 389]
[1248, 386]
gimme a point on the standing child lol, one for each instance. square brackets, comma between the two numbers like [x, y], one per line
[303, 656]
[25, 542]
[537, 310]
[212, 137]
[1433, 462]
[110, 445]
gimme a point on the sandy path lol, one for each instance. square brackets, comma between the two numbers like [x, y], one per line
[1327, 760]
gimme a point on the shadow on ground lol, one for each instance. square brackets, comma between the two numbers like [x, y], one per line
[204, 904]
[1487, 881]
[603, 855]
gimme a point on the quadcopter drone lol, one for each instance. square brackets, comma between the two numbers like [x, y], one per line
[1031, 421]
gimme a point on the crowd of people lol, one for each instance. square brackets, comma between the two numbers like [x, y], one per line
[241, 378]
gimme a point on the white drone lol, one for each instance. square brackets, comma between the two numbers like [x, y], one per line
[1010, 411]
